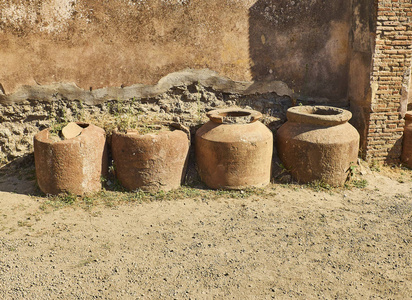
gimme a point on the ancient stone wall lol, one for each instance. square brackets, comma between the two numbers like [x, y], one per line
[182, 97]
[389, 80]
[55, 54]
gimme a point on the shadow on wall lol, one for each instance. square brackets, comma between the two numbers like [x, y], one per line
[302, 43]
[394, 152]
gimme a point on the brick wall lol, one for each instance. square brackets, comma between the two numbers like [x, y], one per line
[390, 74]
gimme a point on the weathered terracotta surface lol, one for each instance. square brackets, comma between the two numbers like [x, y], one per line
[406, 156]
[151, 162]
[234, 150]
[317, 143]
[74, 165]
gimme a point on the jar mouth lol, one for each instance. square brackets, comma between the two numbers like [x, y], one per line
[408, 115]
[319, 115]
[83, 124]
[234, 116]
[324, 112]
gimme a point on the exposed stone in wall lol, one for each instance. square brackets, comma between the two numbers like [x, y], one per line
[391, 69]
[182, 97]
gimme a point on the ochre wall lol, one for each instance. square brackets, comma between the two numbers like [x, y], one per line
[119, 42]
[304, 43]
[122, 42]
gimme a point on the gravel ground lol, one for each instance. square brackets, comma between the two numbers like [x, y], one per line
[282, 242]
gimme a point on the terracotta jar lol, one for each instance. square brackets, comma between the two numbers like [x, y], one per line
[74, 165]
[234, 150]
[318, 143]
[406, 156]
[150, 162]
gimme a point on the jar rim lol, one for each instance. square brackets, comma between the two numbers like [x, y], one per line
[235, 114]
[318, 115]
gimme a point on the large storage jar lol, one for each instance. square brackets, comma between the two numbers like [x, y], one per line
[234, 150]
[318, 143]
[406, 156]
[150, 162]
[74, 165]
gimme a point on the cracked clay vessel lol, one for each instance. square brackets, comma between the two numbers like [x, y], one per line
[318, 143]
[150, 162]
[406, 156]
[234, 150]
[74, 165]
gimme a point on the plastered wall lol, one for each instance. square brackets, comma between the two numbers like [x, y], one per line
[99, 44]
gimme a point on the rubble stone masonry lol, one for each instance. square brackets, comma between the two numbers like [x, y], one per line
[389, 80]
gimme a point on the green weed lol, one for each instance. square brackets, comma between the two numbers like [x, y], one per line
[56, 128]
[319, 186]
[357, 183]
[360, 183]
[375, 166]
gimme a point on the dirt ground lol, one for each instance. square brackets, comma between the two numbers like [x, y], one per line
[286, 241]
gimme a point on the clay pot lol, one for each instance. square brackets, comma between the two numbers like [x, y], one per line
[234, 150]
[318, 143]
[150, 162]
[406, 156]
[73, 165]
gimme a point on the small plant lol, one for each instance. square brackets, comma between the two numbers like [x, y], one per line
[159, 196]
[67, 198]
[375, 166]
[189, 192]
[360, 183]
[319, 185]
[56, 128]
[125, 122]
[352, 169]
[103, 179]
[60, 200]
[88, 201]
[357, 183]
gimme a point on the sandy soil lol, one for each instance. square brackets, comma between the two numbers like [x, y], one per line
[287, 241]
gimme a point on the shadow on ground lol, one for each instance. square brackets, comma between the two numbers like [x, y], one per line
[19, 176]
